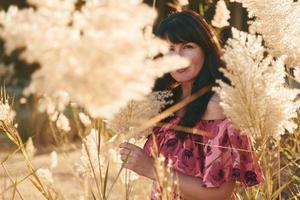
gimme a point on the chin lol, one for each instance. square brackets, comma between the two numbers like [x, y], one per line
[186, 76]
[181, 79]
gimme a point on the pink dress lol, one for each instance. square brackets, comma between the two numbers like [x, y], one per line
[221, 155]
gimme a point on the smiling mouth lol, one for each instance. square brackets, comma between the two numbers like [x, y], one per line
[182, 70]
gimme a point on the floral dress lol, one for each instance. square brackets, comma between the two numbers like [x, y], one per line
[222, 154]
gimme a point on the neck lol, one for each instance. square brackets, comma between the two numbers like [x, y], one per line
[186, 89]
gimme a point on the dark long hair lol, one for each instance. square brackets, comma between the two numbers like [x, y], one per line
[188, 26]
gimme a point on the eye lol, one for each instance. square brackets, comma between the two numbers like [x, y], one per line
[188, 46]
[171, 48]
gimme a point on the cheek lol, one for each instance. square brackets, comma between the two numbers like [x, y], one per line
[197, 60]
[196, 57]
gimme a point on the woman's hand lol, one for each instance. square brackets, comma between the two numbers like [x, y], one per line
[138, 161]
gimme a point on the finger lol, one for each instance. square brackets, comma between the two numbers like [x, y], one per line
[125, 157]
[129, 157]
[129, 165]
[128, 145]
[125, 151]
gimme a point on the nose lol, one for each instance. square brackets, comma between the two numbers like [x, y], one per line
[178, 51]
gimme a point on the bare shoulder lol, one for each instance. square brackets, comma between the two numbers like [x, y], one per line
[214, 109]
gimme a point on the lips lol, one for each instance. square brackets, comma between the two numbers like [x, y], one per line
[182, 70]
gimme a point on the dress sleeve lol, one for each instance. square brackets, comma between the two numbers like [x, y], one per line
[230, 156]
[156, 133]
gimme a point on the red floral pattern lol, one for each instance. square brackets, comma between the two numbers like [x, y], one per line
[223, 154]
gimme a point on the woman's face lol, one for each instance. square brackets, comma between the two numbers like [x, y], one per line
[194, 54]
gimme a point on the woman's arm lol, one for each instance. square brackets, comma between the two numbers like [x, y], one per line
[191, 188]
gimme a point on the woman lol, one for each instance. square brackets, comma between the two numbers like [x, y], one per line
[207, 166]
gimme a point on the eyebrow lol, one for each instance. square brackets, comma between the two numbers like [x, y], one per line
[183, 43]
